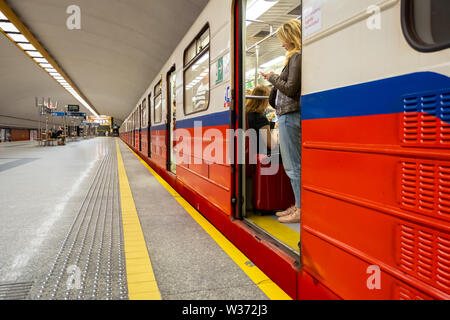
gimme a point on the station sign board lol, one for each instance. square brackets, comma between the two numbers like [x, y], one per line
[102, 120]
[58, 114]
[76, 114]
[73, 108]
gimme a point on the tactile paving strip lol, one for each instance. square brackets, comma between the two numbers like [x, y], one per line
[90, 263]
[15, 291]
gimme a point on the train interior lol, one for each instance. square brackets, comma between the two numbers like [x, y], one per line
[266, 195]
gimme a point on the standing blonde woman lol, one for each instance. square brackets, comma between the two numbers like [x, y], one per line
[286, 93]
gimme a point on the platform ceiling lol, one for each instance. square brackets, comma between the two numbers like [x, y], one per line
[120, 48]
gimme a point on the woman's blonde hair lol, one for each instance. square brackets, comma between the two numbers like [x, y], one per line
[291, 32]
[258, 105]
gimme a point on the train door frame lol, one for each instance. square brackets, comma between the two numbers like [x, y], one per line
[236, 123]
[170, 122]
[238, 113]
[149, 125]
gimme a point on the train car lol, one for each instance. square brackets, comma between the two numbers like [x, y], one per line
[375, 152]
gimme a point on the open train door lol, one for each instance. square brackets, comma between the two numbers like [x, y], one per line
[259, 191]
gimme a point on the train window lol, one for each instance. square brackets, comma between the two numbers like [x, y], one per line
[196, 74]
[157, 112]
[139, 110]
[426, 24]
[196, 46]
[197, 88]
[136, 118]
[144, 114]
[190, 54]
[203, 41]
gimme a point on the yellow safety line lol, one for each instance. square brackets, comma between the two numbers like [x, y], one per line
[271, 289]
[140, 277]
[277, 230]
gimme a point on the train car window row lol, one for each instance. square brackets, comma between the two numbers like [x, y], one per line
[196, 74]
[426, 24]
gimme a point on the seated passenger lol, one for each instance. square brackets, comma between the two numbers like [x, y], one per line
[256, 117]
[60, 134]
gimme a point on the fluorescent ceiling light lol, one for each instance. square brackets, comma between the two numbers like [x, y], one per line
[27, 46]
[17, 37]
[8, 27]
[273, 62]
[50, 70]
[257, 8]
[2, 16]
[40, 60]
[34, 54]
[46, 65]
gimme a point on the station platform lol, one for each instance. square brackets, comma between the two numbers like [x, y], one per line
[90, 220]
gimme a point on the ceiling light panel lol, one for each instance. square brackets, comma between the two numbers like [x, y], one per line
[34, 54]
[2, 16]
[8, 27]
[27, 46]
[257, 8]
[40, 60]
[17, 37]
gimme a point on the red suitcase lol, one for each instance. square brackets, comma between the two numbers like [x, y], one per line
[271, 192]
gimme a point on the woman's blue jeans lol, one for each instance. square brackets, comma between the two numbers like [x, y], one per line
[290, 136]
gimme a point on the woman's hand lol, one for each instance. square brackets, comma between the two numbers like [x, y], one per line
[267, 75]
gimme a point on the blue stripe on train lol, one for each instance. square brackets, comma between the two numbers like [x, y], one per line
[159, 127]
[385, 96]
[209, 120]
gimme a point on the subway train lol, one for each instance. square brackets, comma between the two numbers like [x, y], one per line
[375, 162]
